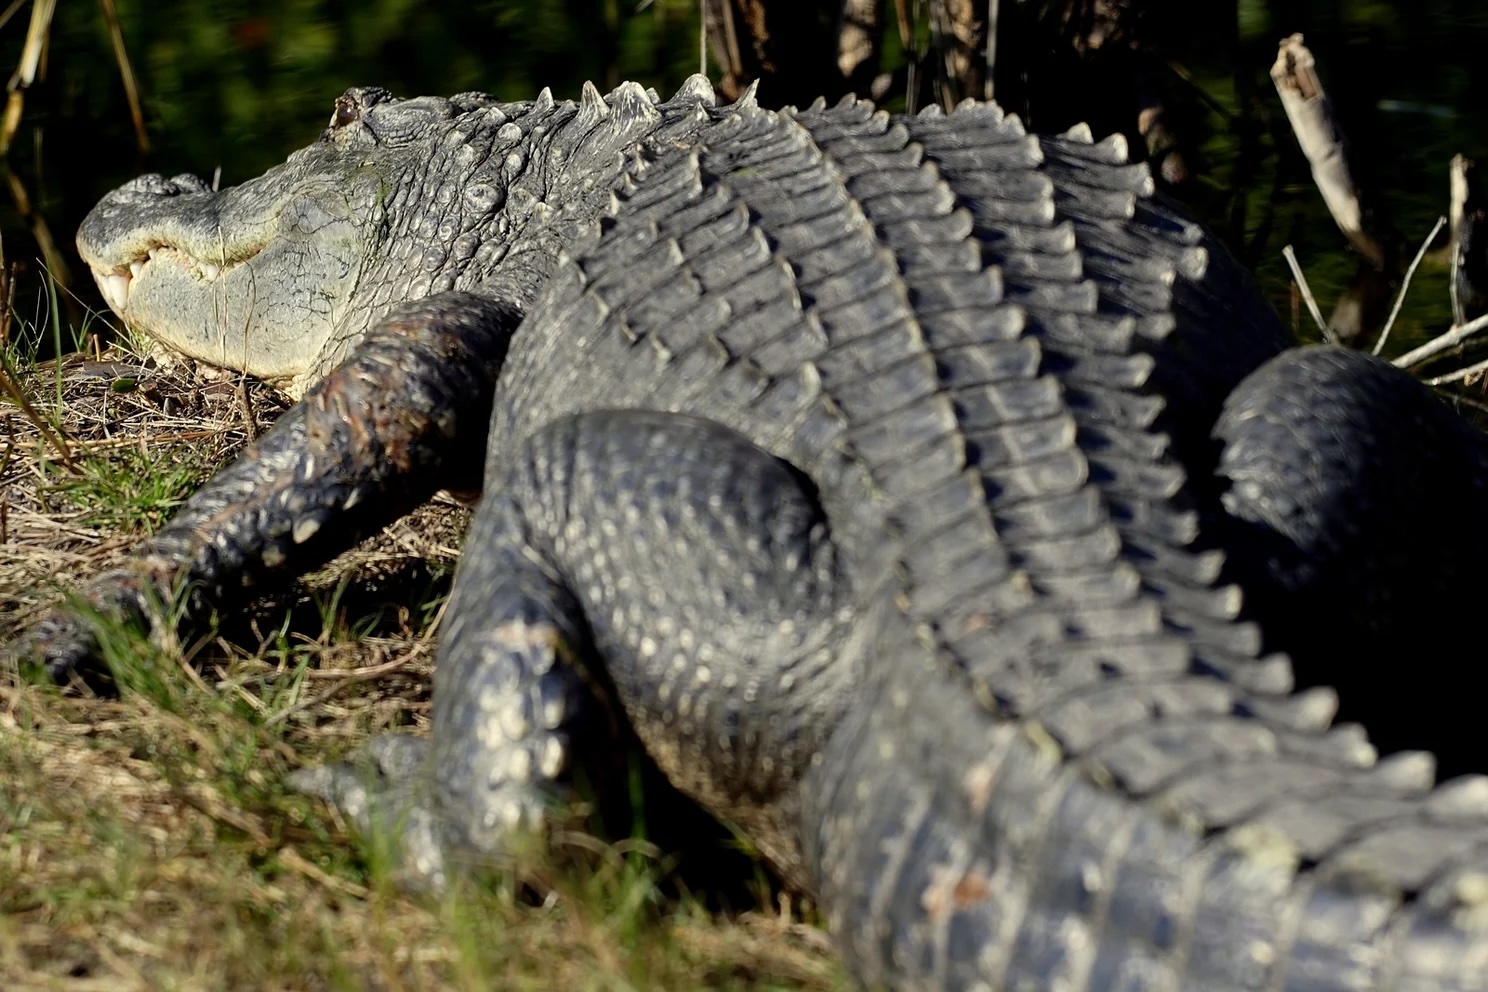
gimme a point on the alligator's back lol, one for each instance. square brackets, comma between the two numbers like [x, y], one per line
[1053, 758]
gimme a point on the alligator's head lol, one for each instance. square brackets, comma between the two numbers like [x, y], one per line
[398, 199]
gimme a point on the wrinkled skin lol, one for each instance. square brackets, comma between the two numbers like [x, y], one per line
[399, 199]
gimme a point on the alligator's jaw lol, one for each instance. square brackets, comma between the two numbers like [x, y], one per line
[252, 278]
[116, 284]
[246, 315]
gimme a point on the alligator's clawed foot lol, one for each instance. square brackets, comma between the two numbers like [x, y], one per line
[379, 790]
[65, 644]
[388, 789]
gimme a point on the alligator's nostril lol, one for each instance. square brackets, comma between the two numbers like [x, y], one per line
[187, 183]
[155, 184]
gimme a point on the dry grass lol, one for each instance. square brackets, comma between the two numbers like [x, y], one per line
[147, 841]
[137, 439]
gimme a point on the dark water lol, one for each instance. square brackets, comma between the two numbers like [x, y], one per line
[236, 86]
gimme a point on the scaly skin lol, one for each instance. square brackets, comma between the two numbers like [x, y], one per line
[866, 464]
[241, 278]
[404, 418]
[282, 276]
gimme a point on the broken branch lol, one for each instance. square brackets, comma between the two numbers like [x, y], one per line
[1311, 116]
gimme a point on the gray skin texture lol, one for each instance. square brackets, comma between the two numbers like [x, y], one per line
[886, 479]
[282, 276]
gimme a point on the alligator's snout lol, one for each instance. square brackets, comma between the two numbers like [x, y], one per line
[136, 224]
[121, 216]
[252, 277]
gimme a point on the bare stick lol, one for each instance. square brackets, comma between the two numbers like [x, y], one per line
[703, 39]
[11, 11]
[57, 440]
[1461, 374]
[1400, 297]
[25, 74]
[1457, 177]
[1312, 307]
[56, 263]
[1317, 131]
[1437, 345]
[991, 56]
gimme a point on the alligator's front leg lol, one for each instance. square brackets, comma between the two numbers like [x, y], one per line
[405, 416]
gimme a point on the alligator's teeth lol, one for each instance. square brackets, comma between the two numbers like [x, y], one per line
[211, 271]
[134, 269]
[115, 289]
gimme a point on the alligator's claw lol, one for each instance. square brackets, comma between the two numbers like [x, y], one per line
[380, 790]
[389, 790]
[65, 641]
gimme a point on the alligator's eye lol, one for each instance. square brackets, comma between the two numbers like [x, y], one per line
[347, 110]
[351, 105]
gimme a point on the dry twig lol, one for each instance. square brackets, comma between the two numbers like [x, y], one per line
[1405, 285]
[1444, 342]
[1312, 307]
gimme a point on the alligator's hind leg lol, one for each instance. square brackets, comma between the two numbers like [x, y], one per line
[694, 576]
[1359, 531]
[405, 416]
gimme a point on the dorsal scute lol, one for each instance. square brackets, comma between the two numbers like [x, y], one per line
[695, 89]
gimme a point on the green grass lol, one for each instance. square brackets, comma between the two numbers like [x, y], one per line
[132, 489]
[149, 841]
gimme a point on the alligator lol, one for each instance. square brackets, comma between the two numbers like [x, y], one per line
[893, 480]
